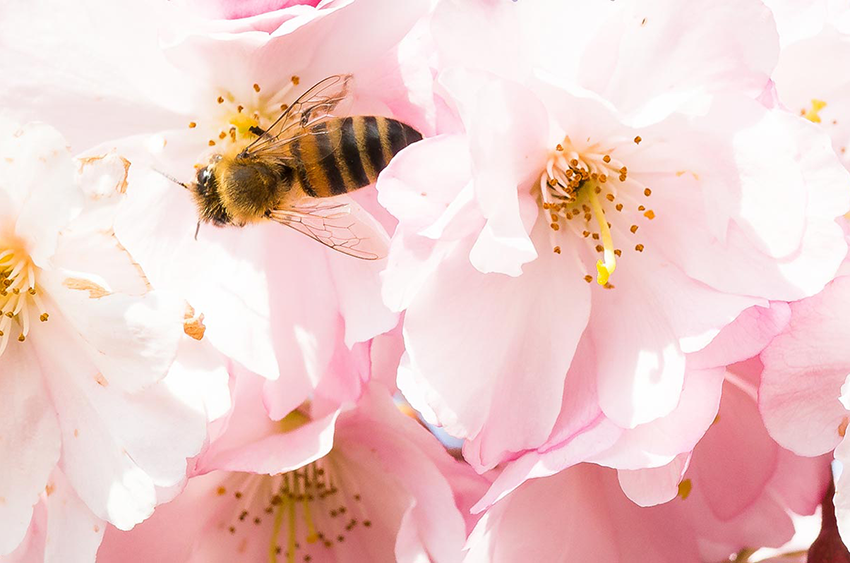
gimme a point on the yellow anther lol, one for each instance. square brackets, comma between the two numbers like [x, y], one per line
[243, 122]
[813, 114]
[685, 488]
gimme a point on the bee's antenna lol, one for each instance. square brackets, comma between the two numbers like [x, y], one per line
[172, 178]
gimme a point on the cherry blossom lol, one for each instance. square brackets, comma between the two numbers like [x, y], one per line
[367, 483]
[597, 222]
[810, 79]
[88, 348]
[268, 296]
[802, 396]
[736, 491]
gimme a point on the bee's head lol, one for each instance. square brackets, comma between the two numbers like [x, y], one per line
[205, 193]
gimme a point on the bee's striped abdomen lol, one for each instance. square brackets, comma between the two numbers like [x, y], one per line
[345, 154]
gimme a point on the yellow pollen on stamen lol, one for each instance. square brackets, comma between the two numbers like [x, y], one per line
[813, 113]
[290, 505]
[278, 522]
[20, 301]
[307, 510]
[606, 266]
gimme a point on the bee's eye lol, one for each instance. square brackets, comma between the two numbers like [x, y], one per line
[203, 178]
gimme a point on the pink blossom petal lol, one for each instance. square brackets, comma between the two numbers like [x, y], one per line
[598, 437]
[580, 402]
[804, 369]
[282, 452]
[505, 154]
[111, 72]
[235, 305]
[658, 442]
[751, 457]
[31, 549]
[762, 255]
[484, 370]
[169, 534]
[799, 83]
[37, 167]
[797, 20]
[133, 339]
[744, 338]
[358, 290]
[408, 453]
[677, 66]
[102, 258]
[651, 346]
[410, 195]
[412, 261]
[136, 451]
[657, 485]
[842, 497]
[73, 532]
[30, 444]
[593, 526]
[309, 46]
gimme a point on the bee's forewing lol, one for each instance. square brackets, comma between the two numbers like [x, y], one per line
[338, 223]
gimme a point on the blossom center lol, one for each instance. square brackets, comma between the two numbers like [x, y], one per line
[584, 189]
[234, 121]
[20, 299]
[307, 511]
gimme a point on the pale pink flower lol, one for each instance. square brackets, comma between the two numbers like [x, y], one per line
[361, 484]
[271, 299]
[738, 490]
[716, 204]
[86, 346]
[812, 80]
[803, 395]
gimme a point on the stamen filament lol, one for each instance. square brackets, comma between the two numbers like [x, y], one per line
[290, 505]
[308, 518]
[278, 522]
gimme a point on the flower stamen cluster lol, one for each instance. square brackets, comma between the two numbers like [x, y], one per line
[582, 184]
[19, 295]
[237, 120]
[311, 509]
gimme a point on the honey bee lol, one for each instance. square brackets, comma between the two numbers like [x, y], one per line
[295, 170]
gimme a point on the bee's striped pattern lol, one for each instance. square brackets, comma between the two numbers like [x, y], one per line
[345, 154]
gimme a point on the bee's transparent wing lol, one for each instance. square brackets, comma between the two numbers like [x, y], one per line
[340, 224]
[311, 108]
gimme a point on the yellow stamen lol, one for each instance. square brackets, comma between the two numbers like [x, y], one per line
[813, 113]
[312, 536]
[606, 266]
[290, 505]
[278, 522]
